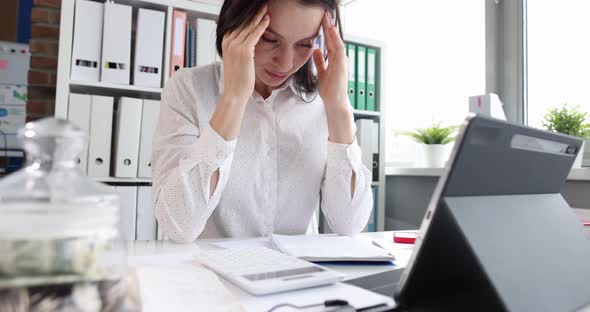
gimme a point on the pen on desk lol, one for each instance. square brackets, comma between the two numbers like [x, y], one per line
[378, 245]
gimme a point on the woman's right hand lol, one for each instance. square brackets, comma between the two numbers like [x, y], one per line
[238, 57]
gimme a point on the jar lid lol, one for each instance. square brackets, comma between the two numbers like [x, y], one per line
[51, 127]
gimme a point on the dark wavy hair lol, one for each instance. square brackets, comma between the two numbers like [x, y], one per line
[237, 12]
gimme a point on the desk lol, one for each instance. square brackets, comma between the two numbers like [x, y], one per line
[378, 278]
[583, 213]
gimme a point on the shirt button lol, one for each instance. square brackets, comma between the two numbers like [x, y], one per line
[220, 155]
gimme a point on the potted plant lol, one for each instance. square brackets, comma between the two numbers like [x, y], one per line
[571, 121]
[434, 143]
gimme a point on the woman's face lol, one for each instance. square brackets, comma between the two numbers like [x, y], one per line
[287, 43]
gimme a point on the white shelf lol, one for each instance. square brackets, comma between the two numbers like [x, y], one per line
[11, 153]
[577, 174]
[426, 172]
[209, 7]
[363, 41]
[113, 87]
[364, 113]
[122, 180]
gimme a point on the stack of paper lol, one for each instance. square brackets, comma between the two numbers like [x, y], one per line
[328, 248]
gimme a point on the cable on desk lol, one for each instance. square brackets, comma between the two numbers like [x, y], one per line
[342, 304]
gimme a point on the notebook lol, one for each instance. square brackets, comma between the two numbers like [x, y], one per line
[331, 248]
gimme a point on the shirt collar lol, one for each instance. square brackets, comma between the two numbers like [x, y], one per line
[290, 83]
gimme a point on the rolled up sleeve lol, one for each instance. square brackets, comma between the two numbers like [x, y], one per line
[346, 213]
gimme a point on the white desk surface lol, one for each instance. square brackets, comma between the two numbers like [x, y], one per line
[378, 278]
[583, 213]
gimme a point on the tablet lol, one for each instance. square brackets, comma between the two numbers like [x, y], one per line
[497, 234]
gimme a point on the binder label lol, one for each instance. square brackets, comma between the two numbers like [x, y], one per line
[371, 67]
[361, 68]
[178, 33]
[351, 64]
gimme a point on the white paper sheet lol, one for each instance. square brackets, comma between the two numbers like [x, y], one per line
[183, 287]
[245, 243]
[331, 248]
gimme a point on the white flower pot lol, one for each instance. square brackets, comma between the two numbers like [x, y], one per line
[578, 161]
[435, 155]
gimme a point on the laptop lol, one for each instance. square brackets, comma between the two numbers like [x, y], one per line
[498, 235]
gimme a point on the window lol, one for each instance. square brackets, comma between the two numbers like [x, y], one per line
[435, 60]
[558, 56]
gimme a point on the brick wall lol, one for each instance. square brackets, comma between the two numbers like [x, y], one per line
[45, 17]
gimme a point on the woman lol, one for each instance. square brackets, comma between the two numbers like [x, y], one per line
[245, 147]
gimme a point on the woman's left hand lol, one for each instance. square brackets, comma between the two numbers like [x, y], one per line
[333, 84]
[332, 77]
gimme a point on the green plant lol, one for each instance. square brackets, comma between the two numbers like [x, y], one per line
[433, 135]
[567, 120]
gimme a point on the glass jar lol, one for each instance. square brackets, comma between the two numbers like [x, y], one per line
[56, 224]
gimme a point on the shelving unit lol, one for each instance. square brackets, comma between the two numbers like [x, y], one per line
[65, 85]
[377, 116]
[135, 195]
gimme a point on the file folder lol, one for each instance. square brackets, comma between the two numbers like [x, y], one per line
[101, 129]
[375, 151]
[86, 45]
[116, 43]
[193, 45]
[361, 78]
[149, 45]
[372, 223]
[365, 140]
[188, 57]
[127, 131]
[149, 120]
[205, 41]
[178, 37]
[371, 74]
[79, 113]
[159, 233]
[128, 200]
[146, 228]
[351, 52]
